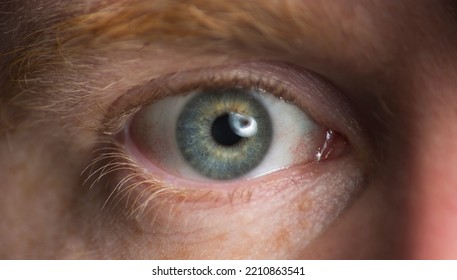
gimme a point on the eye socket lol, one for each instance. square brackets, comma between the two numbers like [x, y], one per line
[201, 135]
[184, 130]
[304, 109]
[306, 158]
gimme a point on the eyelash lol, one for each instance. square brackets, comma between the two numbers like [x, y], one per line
[133, 100]
[131, 179]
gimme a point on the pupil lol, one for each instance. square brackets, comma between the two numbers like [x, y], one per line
[222, 132]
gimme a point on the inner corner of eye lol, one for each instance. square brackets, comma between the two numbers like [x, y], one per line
[225, 134]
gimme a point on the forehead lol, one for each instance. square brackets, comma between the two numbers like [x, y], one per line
[318, 24]
[343, 12]
[326, 35]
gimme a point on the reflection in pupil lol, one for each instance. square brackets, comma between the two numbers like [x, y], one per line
[222, 133]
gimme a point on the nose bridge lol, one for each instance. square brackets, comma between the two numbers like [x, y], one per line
[431, 201]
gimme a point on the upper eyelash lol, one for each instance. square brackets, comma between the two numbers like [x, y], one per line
[194, 80]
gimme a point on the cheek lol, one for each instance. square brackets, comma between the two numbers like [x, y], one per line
[274, 221]
[39, 181]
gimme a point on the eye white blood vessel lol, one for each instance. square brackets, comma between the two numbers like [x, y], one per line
[243, 126]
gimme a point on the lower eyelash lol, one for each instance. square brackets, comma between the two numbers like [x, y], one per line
[139, 193]
[112, 165]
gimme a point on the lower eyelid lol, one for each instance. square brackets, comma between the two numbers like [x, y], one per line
[224, 191]
[155, 205]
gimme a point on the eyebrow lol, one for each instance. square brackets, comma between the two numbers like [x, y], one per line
[267, 26]
[291, 29]
[74, 30]
[242, 23]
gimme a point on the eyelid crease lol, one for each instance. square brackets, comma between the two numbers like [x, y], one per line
[295, 84]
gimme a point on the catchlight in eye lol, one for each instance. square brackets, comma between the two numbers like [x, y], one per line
[224, 134]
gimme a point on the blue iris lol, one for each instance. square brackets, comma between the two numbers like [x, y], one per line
[224, 133]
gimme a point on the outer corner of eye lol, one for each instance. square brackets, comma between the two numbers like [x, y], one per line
[224, 135]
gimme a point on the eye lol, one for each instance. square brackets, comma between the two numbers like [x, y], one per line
[231, 123]
[225, 134]
[185, 151]
[246, 126]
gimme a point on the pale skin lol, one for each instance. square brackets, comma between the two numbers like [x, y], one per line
[391, 194]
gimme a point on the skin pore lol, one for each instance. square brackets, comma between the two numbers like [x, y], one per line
[381, 74]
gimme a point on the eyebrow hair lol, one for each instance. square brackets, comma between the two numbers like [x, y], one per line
[40, 63]
[270, 26]
[237, 22]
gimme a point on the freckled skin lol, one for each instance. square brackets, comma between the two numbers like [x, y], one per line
[391, 196]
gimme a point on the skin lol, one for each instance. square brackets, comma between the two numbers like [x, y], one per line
[389, 194]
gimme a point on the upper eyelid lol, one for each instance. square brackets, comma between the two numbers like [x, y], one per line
[316, 96]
